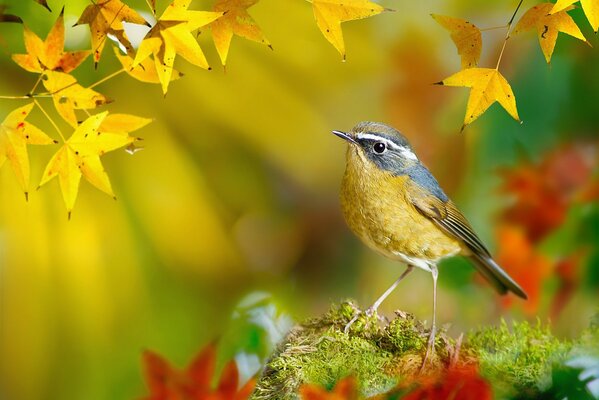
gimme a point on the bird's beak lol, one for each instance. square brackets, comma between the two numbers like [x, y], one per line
[345, 136]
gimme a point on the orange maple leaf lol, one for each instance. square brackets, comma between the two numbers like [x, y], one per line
[69, 96]
[49, 54]
[235, 21]
[460, 382]
[548, 26]
[487, 86]
[171, 36]
[194, 382]
[590, 7]
[329, 15]
[522, 262]
[145, 71]
[466, 36]
[15, 135]
[106, 17]
[345, 389]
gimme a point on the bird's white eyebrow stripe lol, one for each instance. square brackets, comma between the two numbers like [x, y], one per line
[379, 138]
[406, 152]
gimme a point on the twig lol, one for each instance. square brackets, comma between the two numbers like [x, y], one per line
[507, 35]
[107, 78]
[50, 119]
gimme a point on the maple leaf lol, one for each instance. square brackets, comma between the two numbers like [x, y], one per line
[466, 36]
[460, 382]
[106, 17]
[171, 36]
[548, 26]
[235, 21]
[15, 135]
[145, 71]
[48, 54]
[193, 383]
[69, 96]
[345, 389]
[487, 86]
[590, 7]
[329, 15]
[80, 154]
[523, 263]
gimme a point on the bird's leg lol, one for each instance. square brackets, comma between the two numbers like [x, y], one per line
[373, 308]
[430, 349]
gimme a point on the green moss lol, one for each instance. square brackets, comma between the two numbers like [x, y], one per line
[517, 360]
[320, 352]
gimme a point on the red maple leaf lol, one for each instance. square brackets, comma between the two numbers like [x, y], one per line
[194, 382]
[543, 193]
[568, 272]
[524, 263]
[460, 382]
[345, 389]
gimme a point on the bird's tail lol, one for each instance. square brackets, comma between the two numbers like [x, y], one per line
[496, 275]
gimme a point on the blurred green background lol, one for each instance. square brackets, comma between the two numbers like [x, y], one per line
[236, 190]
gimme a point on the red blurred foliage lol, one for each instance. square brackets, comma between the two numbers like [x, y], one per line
[521, 260]
[459, 382]
[542, 196]
[345, 389]
[568, 272]
[543, 193]
[194, 382]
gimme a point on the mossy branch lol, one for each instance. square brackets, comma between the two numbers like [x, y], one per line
[515, 360]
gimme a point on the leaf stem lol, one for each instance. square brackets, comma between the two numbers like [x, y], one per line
[494, 28]
[39, 79]
[49, 119]
[107, 78]
[151, 8]
[507, 34]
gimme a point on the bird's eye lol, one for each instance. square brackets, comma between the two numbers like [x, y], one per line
[379, 147]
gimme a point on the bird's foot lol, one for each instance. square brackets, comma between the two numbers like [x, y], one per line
[369, 312]
[430, 350]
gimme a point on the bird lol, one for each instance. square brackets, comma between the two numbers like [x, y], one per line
[393, 203]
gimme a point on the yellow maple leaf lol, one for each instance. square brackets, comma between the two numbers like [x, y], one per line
[590, 7]
[48, 54]
[145, 71]
[466, 36]
[548, 26]
[69, 96]
[80, 154]
[487, 86]
[329, 15]
[15, 135]
[171, 36]
[235, 21]
[106, 17]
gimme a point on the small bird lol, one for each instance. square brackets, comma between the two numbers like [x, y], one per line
[393, 203]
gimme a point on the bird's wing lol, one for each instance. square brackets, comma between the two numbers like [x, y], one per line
[445, 215]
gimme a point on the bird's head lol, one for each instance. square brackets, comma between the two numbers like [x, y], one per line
[378, 144]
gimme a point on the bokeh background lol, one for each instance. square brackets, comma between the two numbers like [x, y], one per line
[236, 193]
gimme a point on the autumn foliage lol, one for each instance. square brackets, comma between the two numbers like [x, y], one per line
[194, 382]
[542, 194]
[153, 62]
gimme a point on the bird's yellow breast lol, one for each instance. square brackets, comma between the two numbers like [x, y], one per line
[376, 208]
